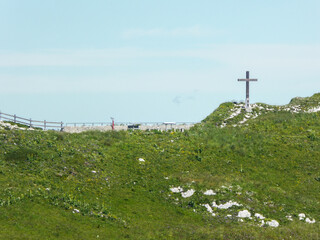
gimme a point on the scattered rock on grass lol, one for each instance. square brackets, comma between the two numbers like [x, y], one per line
[188, 193]
[76, 210]
[244, 214]
[176, 189]
[301, 216]
[259, 216]
[226, 205]
[209, 192]
[308, 220]
[272, 223]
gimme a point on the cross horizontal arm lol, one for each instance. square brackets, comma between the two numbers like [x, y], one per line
[247, 79]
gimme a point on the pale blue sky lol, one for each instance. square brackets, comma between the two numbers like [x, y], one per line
[81, 60]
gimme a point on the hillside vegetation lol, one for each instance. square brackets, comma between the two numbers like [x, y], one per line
[236, 175]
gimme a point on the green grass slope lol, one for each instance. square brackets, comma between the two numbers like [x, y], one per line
[154, 185]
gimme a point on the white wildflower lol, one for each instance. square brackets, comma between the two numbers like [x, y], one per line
[141, 160]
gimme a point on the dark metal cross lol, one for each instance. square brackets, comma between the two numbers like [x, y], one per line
[247, 80]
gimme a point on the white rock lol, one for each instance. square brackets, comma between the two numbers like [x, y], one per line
[315, 109]
[207, 206]
[289, 217]
[243, 121]
[209, 192]
[244, 214]
[272, 223]
[226, 205]
[141, 160]
[308, 220]
[76, 210]
[176, 189]
[188, 193]
[93, 171]
[259, 216]
[234, 114]
[301, 216]
[223, 125]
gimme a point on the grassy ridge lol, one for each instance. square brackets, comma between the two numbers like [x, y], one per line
[96, 185]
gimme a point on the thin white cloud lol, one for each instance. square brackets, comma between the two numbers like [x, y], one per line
[147, 81]
[281, 66]
[194, 31]
[56, 58]
[278, 56]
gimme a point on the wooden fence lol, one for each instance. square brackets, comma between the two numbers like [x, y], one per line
[92, 124]
[45, 125]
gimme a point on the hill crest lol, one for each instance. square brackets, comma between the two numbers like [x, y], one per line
[234, 114]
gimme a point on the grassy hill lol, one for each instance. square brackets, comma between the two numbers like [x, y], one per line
[236, 175]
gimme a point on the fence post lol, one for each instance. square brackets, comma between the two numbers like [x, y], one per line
[14, 118]
[45, 125]
[61, 126]
[30, 123]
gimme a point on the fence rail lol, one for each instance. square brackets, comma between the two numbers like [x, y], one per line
[45, 125]
[89, 124]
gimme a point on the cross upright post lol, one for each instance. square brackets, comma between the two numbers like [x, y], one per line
[247, 80]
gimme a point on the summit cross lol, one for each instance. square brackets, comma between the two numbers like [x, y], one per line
[247, 80]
